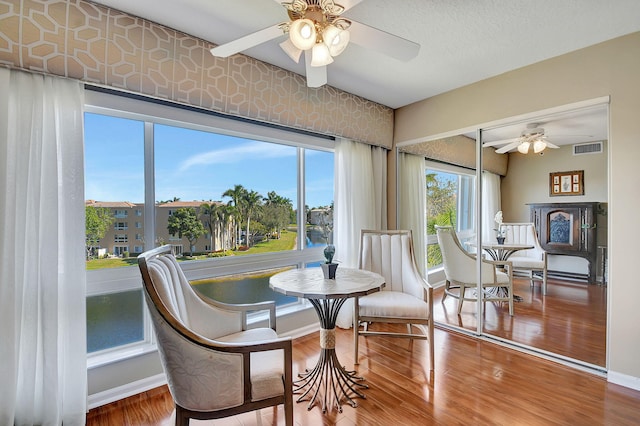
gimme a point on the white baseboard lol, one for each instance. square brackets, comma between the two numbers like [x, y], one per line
[111, 395]
[624, 380]
[303, 331]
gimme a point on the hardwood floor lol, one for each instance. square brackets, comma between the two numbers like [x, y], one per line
[475, 382]
[570, 320]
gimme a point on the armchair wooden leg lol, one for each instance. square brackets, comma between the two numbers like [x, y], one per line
[182, 416]
[460, 299]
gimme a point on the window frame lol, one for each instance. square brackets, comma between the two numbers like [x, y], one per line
[114, 280]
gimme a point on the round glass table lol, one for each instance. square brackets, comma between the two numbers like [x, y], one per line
[328, 378]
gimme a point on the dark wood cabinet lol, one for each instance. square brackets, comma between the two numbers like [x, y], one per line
[568, 229]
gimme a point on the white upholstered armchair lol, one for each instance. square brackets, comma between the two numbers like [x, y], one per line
[460, 273]
[406, 298]
[215, 366]
[533, 260]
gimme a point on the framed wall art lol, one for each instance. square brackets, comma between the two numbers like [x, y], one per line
[566, 183]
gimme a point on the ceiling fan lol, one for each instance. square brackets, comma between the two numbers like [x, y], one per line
[531, 137]
[317, 28]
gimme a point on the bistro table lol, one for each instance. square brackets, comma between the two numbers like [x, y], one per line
[502, 252]
[328, 377]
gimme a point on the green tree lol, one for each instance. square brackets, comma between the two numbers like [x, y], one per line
[97, 221]
[184, 222]
[253, 204]
[276, 212]
[441, 210]
[210, 214]
[226, 216]
[237, 197]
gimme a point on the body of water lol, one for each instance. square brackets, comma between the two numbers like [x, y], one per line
[116, 319]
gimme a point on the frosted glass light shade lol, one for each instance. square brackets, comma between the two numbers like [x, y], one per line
[320, 55]
[539, 146]
[524, 147]
[302, 34]
[335, 39]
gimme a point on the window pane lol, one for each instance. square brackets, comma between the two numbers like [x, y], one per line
[319, 197]
[220, 195]
[243, 288]
[114, 320]
[114, 188]
[450, 201]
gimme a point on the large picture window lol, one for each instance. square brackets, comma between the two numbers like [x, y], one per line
[450, 202]
[236, 205]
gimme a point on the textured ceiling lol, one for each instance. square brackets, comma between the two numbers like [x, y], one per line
[462, 41]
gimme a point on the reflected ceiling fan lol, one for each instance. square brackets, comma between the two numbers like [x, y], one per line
[531, 137]
[317, 28]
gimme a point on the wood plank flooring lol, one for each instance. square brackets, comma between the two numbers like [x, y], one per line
[570, 320]
[474, 383]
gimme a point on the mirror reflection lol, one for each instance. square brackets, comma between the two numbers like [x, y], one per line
[551, 236]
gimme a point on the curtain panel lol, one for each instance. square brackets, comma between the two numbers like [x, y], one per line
[412, 204]
[42, 261]
[360, 196]
[490, 205]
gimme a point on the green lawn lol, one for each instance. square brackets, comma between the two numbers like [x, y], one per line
[287, 241]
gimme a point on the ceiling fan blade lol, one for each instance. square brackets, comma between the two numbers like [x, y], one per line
[500, 142]
[508, 147]
[247, 42]
[550, 145]
[383, 42]
[316, 76]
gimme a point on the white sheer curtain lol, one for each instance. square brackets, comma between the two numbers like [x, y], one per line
[360, 196]
[360, 203]
[490, 204]
[412, 202]
[42, 271]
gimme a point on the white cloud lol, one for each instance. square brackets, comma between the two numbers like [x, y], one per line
[238, 154]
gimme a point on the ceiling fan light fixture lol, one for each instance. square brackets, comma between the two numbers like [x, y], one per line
[302, 33]
[335, 39]
[291, 50]
[320, 55]
[523, 148]
[539, 145]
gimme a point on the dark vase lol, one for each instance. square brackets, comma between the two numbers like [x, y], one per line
[329, 270]
[500, 240]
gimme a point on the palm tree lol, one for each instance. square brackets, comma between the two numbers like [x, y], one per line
[237, 195]
[210, 212]
[252, 203]
[226, 214]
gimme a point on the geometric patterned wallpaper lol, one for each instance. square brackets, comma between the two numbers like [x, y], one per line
[93, 43]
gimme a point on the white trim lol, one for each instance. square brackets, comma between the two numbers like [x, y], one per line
[115, 394]
[624, 380]
[302, 331]
[448, 168]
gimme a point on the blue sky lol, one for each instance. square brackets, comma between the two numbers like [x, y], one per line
[194, 165]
